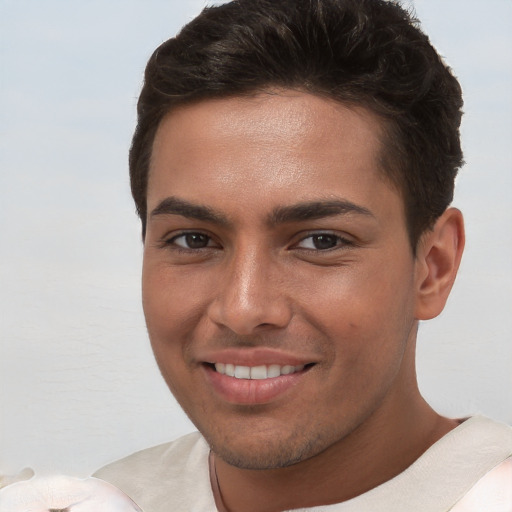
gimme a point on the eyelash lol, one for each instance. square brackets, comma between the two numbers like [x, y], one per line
[340, 241]
[172, 241]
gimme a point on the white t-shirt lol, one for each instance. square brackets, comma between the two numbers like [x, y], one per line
[175, 476]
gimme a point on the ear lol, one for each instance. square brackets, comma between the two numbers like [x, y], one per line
[438, 257]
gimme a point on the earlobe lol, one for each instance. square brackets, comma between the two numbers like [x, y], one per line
[437, 262]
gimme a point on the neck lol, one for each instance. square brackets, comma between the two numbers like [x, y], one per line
[378, 450]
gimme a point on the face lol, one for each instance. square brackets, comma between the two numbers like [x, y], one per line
[278, 278]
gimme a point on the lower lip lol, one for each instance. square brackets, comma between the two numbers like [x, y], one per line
[252, 391]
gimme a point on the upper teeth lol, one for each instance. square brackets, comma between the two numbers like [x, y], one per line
[256, 372]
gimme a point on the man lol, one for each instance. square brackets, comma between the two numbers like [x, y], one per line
[293, 167]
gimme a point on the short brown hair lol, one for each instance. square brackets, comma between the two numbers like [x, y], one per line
[364, 52]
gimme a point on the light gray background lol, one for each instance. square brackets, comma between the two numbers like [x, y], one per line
[78, 385]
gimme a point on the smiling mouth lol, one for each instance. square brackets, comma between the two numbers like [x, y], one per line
[256, 384]
[260, 372]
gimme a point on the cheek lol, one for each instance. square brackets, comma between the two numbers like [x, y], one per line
[172, 300]
[365, 314]
[169, 311]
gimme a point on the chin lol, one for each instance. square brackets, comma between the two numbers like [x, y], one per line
[255, 453]
[258, 461]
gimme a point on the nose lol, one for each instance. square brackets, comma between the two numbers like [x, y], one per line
[250, 296]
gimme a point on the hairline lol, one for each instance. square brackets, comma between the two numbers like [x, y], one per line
[386, 159]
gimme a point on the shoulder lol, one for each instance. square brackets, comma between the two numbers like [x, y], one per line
[474, 460]
[488, 429]
[479, 443]
[490, 454]
[447, 472]
[187, 447]
[493, 492]
[469, 455]
[172, 473]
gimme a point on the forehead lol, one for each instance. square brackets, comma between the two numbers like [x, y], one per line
[272, 145]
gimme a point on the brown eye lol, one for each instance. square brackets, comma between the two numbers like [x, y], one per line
[321, 242]
[324, 241]
[192, 241]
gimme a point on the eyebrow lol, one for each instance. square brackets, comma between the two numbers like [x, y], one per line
[316, 210]
[281, 215]
[175, 206]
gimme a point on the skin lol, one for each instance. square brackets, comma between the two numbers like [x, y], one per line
[231, 270]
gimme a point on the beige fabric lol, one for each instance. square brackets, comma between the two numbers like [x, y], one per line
[493, 492]
[175, 476]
